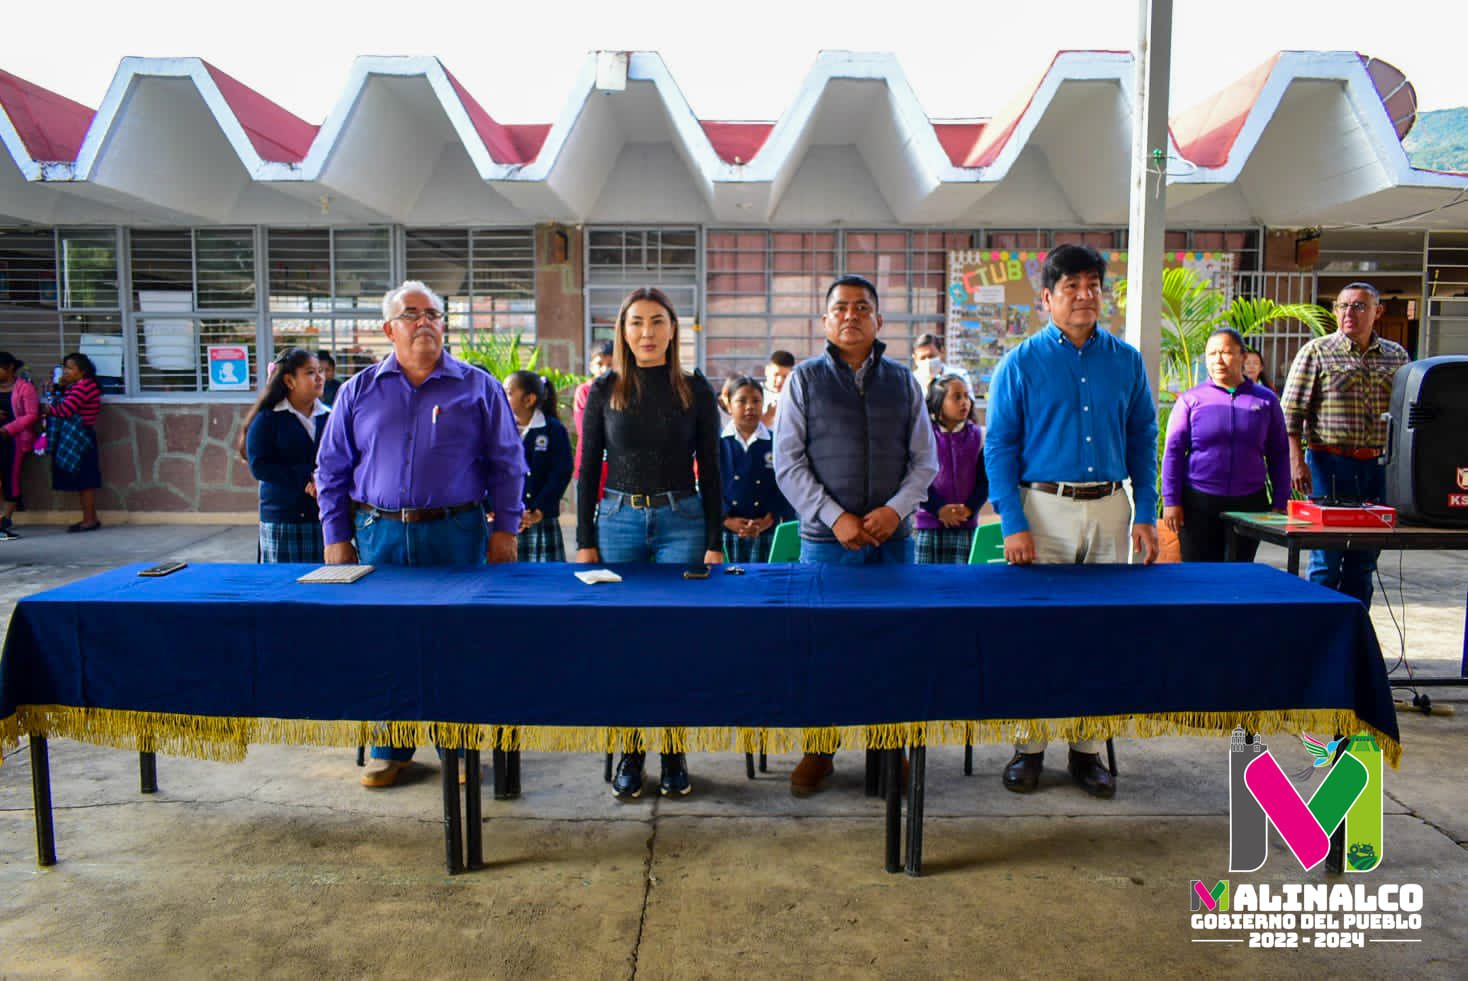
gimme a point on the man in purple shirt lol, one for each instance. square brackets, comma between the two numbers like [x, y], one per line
[1223, 438]
[415, 449]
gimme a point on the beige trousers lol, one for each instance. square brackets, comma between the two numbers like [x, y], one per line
[1071, 532]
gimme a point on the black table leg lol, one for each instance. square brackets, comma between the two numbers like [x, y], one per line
[606, 773]
[968, 750]
[764, 762]
[1231, 544]
[361, 755]
[1292, 564]
[875, 762]
[148, 772]
[892, 778]
[749, 766]
[512, 772]
[41, 796]
[473, 823]
[501, 774]
[453, 832]
[917, 759]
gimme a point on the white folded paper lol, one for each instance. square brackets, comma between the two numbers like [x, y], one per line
[593, 576]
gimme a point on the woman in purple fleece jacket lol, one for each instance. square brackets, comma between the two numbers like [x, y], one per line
[943, 528]
[1224, 437]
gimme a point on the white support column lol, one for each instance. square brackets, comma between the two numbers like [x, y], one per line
[1150, 149]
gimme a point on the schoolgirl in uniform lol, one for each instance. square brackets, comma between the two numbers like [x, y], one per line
[548, 462]
[753, 504]
[944, 525]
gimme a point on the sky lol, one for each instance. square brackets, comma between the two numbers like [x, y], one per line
[733, 59]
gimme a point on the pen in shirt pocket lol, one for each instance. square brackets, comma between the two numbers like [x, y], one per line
[435, 415]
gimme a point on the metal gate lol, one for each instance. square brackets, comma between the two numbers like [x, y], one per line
[1279, 342]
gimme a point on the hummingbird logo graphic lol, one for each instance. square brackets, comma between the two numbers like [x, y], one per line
[1322, 752]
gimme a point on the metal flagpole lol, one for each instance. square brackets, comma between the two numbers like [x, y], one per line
[1151, 147]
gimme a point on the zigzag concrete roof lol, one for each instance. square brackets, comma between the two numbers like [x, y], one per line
[1307, 138]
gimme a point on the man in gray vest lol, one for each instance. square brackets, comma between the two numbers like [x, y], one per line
[854, 453]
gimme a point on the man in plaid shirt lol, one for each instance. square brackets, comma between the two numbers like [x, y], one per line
[1338, 388]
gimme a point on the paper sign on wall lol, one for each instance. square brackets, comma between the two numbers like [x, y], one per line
[229, 368]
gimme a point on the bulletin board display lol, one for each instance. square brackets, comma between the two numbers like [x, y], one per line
[994, 302]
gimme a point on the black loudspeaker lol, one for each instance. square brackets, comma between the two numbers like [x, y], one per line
[1426, 456]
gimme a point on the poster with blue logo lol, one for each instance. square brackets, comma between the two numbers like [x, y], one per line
[229, 368]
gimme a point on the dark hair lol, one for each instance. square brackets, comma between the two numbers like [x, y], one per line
[625, 387]
[929, 340]
[782, 359]
[851, 280]
[325, 358]
[10, 361]
[1230, 333]
[1375, 293]
[286, 363]
[604, 349]
[539, 386]
[736, 382]
[1071, 260]
[83, 364]
[938, 391]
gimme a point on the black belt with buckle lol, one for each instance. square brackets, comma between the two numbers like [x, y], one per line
[414, 516]
[662, 499]
[1085, 492]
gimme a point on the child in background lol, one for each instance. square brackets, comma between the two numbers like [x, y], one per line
[753, 504]
[548, 462]
[778, 369]
[944, 525]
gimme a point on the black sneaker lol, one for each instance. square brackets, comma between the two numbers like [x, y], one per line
[6, 535]
[675, 775]
[627, 784]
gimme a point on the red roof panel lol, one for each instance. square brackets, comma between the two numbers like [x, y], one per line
[51, 126]
[276, 134]
[1206, 133]
[498, 139]
[736, 143]
[959, 139]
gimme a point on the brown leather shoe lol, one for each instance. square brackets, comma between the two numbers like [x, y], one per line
[1087, 770]
[384, 774]
[1022, 773]
[810, 774]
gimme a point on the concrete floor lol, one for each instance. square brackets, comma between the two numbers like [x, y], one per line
[283, 866]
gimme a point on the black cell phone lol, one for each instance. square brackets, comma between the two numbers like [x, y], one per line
[696, 571]
[163, 569]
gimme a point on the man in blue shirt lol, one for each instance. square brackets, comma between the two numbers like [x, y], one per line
[1070, 419]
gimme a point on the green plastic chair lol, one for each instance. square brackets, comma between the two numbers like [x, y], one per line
[988, 549]
[785, 547]
[988, 546]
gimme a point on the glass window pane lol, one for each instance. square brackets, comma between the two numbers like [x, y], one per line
[363, 260]
[439, 257]
[89, 268]
[224, 261]
[99, 337]
[173, 353]
[356, 343]
[28, 270]
[300, 269]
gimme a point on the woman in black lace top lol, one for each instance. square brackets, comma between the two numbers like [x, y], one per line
[653, 421]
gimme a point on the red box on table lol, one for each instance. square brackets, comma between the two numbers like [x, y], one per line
[1337, 516]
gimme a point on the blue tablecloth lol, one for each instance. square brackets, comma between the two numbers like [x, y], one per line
[216, 656]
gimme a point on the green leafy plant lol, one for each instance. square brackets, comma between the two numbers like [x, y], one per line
[502, 356]
[1192, 308]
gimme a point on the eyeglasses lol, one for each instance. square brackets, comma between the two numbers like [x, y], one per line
[413, 316]
[1357, 307]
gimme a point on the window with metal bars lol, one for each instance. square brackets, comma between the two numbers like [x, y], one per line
[767, 289]
[182, 280]
[486, 276]
[619, 260]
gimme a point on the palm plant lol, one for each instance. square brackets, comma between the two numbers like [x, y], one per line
[1192, 308]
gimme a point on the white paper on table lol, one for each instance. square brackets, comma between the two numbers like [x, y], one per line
[593, 576]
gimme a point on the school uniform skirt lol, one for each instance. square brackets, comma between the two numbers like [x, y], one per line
[739, 549]
[292, 541]
[942, 546]
[542, 542]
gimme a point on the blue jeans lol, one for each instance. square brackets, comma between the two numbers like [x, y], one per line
[1337, 476]
[898, 550]
[461, 539]
[673, 534]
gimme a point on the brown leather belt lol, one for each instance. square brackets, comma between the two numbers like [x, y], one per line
[1364, 453]
[416, 516]
[1089, 492]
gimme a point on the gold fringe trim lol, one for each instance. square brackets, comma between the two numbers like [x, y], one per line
[226, 738]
